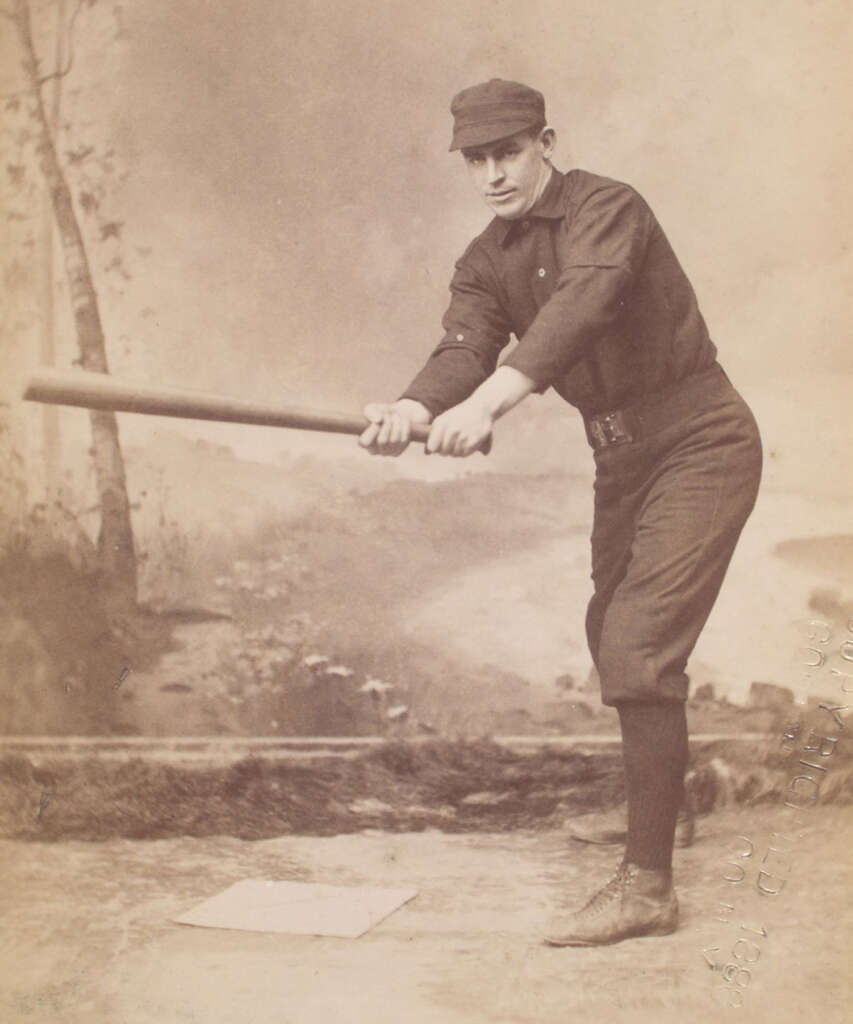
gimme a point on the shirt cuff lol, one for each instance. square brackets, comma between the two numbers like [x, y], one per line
[531, 368]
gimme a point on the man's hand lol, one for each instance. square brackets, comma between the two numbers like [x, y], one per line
[462, 430]
[390, 426]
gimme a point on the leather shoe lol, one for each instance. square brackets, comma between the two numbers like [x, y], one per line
[635, 902]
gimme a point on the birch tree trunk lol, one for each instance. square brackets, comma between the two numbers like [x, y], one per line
[116, 553]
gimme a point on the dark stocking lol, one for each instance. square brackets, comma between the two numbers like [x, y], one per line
[654, 752]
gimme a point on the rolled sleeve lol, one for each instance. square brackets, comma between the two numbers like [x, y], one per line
[599, 252]
[476, 329]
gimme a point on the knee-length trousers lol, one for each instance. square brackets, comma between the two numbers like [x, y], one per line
[669, 508]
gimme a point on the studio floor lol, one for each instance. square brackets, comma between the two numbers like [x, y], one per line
[88, 935]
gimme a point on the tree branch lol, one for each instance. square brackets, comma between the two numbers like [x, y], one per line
[44, 79]
[69, 33]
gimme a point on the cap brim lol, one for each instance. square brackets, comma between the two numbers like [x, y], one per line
[482, 134]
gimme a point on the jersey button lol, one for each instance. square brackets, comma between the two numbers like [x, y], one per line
[541, 271]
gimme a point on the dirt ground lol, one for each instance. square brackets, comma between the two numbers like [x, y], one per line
[88, 937]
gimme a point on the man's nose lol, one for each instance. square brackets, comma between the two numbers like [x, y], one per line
[494, 170]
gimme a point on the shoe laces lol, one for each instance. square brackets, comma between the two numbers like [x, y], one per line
[614, 890]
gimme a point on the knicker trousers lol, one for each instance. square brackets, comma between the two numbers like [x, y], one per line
[669, 508]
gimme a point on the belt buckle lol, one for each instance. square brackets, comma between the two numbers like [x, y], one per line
[610, 429]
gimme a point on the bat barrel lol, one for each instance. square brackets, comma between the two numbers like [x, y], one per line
[105, 392]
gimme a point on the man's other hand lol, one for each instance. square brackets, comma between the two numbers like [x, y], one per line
[390, 427]
[461, 431]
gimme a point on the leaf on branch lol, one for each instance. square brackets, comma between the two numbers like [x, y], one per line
[112, 229]
[117, 265]
[16, 173]
[77, 156]
[88, 202]
[13, 103]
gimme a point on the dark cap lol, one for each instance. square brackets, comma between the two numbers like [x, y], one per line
[494, 110]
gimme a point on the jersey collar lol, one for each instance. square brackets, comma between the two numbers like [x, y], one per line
[550, 205]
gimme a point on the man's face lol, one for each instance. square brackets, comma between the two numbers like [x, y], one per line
[512, 173]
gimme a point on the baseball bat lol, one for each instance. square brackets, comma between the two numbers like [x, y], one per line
[102, 391]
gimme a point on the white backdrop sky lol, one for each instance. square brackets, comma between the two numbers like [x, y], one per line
[290, 170]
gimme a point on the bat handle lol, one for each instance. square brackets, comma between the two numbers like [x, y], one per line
[419, 432]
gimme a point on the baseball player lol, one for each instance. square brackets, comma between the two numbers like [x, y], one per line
[576, 267]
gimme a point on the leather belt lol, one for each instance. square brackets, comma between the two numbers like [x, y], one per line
[624, 426]
[608, 429]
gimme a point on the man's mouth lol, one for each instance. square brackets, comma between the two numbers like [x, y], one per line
[502, 194]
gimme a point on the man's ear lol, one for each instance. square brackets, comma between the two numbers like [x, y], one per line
[548, 141]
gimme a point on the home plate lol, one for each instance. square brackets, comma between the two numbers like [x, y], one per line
[298, 908]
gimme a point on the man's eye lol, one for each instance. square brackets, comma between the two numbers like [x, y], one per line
[474, 159]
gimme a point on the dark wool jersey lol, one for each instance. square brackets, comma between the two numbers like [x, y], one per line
[589, 285]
